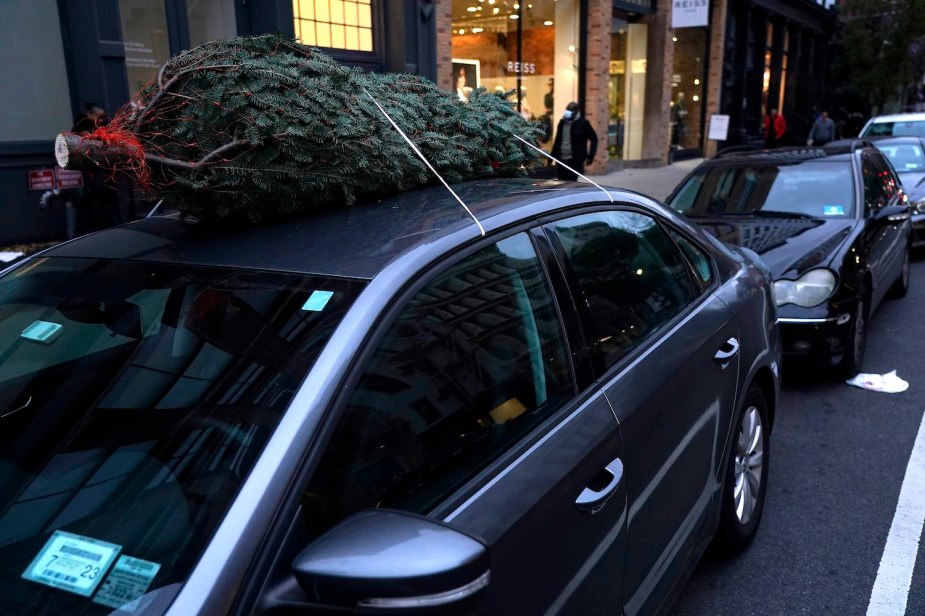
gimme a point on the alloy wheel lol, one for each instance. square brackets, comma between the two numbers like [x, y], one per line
[748, 464]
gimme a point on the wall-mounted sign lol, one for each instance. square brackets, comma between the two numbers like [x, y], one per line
[690, 13]
[41, 179]
[719, 127]
[67, 178]
[524, 68]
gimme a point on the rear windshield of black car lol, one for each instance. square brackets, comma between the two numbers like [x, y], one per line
[818, 189]
[134, 400]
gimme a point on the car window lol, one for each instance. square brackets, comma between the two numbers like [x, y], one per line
[914, 128]
[472, 363]
[820, 189]
[632, 275]
[134, 400]
[880, 184]
[698, 259]
[906, 157]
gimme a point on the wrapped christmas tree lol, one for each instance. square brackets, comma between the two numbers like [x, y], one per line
[256, 126]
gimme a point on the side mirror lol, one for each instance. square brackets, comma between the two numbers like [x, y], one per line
[395, 562]
[890, 214]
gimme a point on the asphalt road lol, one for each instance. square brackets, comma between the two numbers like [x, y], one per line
[838, 458]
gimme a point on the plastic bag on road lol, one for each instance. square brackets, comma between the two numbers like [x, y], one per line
[887, 383]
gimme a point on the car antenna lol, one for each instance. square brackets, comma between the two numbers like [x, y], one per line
[154, 209]
[426, 162]
[559, 162]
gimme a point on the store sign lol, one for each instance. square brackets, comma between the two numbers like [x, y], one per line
[690, 13]
[67, 178]
[719, 127]
[524, 68]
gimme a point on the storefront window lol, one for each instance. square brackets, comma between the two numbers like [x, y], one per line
[485, 52]
[33, 77]
[687, 88]
[628, 67]
[338, 24]
[210, 20]
[144, 34]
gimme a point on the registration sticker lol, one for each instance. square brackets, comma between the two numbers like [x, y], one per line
[126, 583]
[72, 562]
[318, 300]
[833, 210]
[42, 331]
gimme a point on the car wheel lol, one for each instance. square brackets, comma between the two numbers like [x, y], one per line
[856, 343]
[901, 286]
[746, 476]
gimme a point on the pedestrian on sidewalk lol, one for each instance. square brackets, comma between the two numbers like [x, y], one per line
[823, 130]
[774, 128]
[575, 143]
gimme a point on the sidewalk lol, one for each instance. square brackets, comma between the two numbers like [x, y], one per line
[657, 182]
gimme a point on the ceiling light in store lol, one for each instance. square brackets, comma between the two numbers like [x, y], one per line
[491, 1]
[495, 10]
[516, 7]
[571, 48]
[529, 6]
[547, 23]
[477, 30]
[696, 82]
[696, 98]
[515, 16]
[462, 30]
[675, 39]
[471, 9]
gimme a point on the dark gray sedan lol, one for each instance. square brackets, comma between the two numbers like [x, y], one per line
[384, 410]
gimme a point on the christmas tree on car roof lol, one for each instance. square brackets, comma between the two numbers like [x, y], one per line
[253, 127]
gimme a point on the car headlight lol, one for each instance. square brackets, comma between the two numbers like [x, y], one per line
[810, 289]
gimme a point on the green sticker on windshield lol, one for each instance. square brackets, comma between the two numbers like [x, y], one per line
[72, 563]
[318, 300]
[833, 210]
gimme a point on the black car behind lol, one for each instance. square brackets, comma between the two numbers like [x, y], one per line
[831, 223]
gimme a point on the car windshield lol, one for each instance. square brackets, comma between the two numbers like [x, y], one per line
[914, 128]
[134, 400]
[906, 156]
[814, 189]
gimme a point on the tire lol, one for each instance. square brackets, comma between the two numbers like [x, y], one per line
[901, 287]
[746, 481]
[856, 344]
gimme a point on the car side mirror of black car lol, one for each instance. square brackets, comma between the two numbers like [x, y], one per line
[891, 214]
[380, 560]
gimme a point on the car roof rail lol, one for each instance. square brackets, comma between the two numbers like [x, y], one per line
[737, 149]
[846, 146]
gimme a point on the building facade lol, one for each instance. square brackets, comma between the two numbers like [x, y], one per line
[650, 75]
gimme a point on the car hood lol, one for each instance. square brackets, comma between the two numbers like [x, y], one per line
[789, 246]
[914, 185]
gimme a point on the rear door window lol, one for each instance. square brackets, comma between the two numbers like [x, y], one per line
[631, 273]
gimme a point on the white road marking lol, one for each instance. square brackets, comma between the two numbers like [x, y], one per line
[894, 577]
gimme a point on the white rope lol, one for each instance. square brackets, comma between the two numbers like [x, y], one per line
[559, 162]
[426, 162]
[154, 209]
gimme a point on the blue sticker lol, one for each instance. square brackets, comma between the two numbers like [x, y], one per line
[73, 563]
[833, 210]
[318, 300]
[42, 331]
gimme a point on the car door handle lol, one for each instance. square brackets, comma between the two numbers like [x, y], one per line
[593, 500]
[727, 351]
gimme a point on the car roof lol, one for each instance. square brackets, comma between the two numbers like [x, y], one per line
[899, 117]
[356, 241]
[783, 156]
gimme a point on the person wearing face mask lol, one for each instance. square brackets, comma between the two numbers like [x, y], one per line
[575, 143]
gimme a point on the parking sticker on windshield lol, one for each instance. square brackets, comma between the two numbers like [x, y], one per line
[318, 300]
[833, 210]
[126, 583]
[73, 563]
